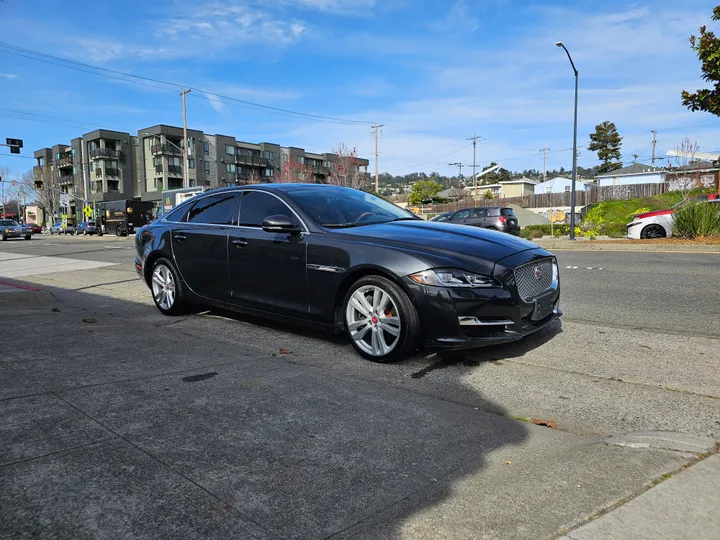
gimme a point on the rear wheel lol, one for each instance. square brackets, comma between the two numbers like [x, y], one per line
[118, 231]
[382, 323]
[28, 237]
[653, 231]
[166, 288]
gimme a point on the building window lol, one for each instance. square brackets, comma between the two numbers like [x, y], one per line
[191, 163]
[230, 149]
[92, 166]
[269, 172]
[230, 167]
[57, 156]
[74, 169]
[91, 146]
[567, 189]
[74, 152]
[301, 160]
[41, 162]
[207, 166]
[268, 155]
[206, 148]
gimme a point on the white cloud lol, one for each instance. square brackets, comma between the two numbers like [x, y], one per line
[458, 19]
[9, 75]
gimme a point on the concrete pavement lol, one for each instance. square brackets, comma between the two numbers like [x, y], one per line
[117, 421]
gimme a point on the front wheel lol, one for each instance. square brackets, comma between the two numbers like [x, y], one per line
[653, 231]
[28, 237]
[166, 288]
[382, 323]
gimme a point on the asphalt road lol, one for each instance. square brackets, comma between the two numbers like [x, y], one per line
[118, 421]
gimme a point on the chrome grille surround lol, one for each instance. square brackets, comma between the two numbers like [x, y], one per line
[534, 278]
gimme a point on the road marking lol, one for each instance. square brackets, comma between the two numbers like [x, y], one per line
[586, 268]
[11, 267]
[683, 252]
[50, 244]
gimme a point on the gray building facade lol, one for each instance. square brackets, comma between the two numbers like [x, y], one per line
[120, 166]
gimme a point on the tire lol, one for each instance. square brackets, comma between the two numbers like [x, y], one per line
[85, 232]
[4, 238]
[28, 237]
[118, 231]
[653, 231]
[373, 338]
[166, 270]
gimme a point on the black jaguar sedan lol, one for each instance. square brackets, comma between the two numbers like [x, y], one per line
[348, 261]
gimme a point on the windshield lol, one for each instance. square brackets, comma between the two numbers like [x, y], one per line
[8, 223]
[332, 206]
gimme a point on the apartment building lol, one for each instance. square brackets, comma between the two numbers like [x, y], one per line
[120, 166]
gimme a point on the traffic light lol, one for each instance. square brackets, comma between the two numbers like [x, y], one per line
[14, 144]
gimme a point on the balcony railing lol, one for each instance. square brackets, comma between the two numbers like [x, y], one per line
[106, 153]
[109, 171]
[66, 179]
[250, 160]
[159, 169]
[175, 170]
[164, 149]
[64, 162]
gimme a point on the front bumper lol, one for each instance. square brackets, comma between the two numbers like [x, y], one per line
[457, 318]
[139, 268]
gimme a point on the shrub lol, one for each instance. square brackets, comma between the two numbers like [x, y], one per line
[488, 195]
[697, 220]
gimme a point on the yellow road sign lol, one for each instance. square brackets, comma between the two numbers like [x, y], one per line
[87, 211]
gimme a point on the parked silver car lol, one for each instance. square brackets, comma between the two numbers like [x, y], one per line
[57, 228]
[12, 229]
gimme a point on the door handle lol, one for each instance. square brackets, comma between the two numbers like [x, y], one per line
[180, 237]
[239, 243]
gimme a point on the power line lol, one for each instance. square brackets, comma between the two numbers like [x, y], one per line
[115, 74]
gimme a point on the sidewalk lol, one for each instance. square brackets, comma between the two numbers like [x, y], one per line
[684, 506]
[606, 244]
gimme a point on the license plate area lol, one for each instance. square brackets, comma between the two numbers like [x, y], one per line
[543, 308]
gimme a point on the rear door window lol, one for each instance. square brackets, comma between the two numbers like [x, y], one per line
[462, 214]
[479, 213]
[218, 209]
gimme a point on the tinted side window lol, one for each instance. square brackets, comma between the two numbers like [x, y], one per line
[479, 213]
[462, 214]
[508, 212]
[256, 206]
[218, 209]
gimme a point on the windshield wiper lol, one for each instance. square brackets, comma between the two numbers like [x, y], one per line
[403, 219]
[343, 225]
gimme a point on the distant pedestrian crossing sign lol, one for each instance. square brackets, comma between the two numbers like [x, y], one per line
[87, 211]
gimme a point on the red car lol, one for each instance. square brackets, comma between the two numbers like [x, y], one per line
[35, 228]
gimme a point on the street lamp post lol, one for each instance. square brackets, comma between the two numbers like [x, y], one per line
[574, 166]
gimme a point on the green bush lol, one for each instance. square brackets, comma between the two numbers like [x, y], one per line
[538, 231]
[697, 220]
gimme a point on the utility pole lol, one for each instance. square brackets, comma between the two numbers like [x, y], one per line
[474, 140]
[377, 127]
[654, 143]
[186, 176]
[459, 166]
[544, 150]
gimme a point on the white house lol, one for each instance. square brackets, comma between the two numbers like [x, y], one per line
[560, 185]
[482, 190]
[637, 173]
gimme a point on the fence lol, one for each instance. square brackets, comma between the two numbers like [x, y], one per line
[556, 200]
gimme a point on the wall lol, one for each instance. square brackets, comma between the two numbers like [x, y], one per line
[650, 178]
[517, 190]
[685, 181]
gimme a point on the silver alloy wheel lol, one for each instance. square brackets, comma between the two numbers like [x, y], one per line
[163, 287]
[373, 320]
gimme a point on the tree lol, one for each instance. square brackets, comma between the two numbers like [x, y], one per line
[295, 172]
[424, 190]
[45, 191]
[253, 177]
[606, 141]
[498, 175]
[346, 169]
[707, 48]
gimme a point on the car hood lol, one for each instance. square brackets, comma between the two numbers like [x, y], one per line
[441, 239]
[654, 213]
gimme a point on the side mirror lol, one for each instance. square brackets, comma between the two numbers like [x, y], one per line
[280, 224]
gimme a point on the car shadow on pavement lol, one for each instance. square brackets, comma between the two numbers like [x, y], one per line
[127, 427]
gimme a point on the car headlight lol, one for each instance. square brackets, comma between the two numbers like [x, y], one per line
[451, 277]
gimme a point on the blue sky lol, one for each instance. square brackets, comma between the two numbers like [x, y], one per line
[433, 72]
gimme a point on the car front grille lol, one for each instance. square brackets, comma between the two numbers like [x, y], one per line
[533, 279]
